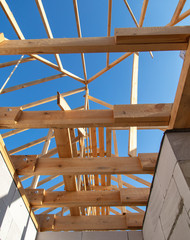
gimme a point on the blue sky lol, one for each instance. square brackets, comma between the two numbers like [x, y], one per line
[158, 77]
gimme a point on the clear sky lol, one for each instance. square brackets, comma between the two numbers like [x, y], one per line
[158, 77]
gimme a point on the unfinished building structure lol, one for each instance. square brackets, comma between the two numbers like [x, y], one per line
[75, 184]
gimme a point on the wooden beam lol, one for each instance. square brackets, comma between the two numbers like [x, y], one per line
[32, 83]
[125, 40]
[111, 65]
[11, 63]
[152, 35]
[26, 165]
[52, 98]
[20, 35]
[50, 222]
[64, 147]
[75, 4]
[28, 145]
[61, 102]
[96, 100]
[109, 26]
[47, 28]
[13, 132]
[180, 117]
[183, 16]
[122, 116]
[2, 38]
[132, 142]
[143, 12]
[177, 12]
[124, 197]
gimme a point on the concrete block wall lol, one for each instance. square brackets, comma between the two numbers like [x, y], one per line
[91, 235]
[15, 221]
[168, 212]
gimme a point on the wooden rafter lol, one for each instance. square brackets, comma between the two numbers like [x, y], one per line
[20, 35]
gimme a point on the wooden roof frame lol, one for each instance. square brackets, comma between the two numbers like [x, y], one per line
[90, 160]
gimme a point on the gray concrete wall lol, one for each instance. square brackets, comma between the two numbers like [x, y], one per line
[15, 221]
[111, 235]
[168, 212]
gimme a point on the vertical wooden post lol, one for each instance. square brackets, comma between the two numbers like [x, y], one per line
[132, 145]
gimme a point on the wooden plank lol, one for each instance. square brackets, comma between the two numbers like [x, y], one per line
[2, 38]
[28, 145]
[108, 150]
[177, 12]
[180, 117]
[155, 35]
[32, 83]
[143, 12]
[125, 40]
[138, 179]
[132, 143]
[132, 221]
[134, 195]
[52, 98]
[83, 166]
[122, 116]
[75, 4]
[20, 35]
[109, 26]
[11, 63]
[64, 147]
[47, 28]
[13, 132]
[61, 102]
[39, 198]
[183, 16]
[94, 154]
[96, 100]
[154, 111]
[101, 151]
[148, 160]
[131, 13]
[111, 65]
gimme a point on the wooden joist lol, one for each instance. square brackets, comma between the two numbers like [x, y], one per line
[122, 116]
[125, 40]
[39, 198]
[31, 165]
[132, 221]
[180, 117]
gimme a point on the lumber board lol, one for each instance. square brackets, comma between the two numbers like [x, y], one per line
[180, 117]
[39, 198]
[121, 116]
[148, 161]
[152, 35]
[14, 62]
[132, 221]
[64, 147]
[32, 83]
[125, 40]
[2, 38]
[61, 102]
[32, 165]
